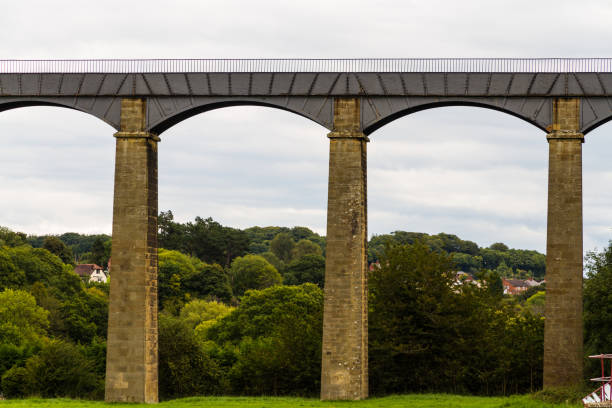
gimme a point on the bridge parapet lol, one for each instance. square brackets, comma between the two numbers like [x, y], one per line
[249, 65]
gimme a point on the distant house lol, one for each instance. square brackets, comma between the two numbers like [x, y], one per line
[532, 282]
[91, 272]
[514, 286]
[461, 278]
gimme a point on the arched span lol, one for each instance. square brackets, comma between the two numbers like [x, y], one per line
[597, 124]
[62, 103]
[541, 120]
[319, 110]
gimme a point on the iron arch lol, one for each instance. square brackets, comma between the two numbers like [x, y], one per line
[108, 116]
[371, 127]
[319, 110]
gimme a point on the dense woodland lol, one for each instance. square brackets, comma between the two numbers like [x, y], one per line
[241, 313]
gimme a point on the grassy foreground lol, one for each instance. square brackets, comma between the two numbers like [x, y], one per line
[397, 401]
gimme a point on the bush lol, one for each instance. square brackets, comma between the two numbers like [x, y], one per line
[61, 370]
[184, 368]
[274, 337]
[16, 383]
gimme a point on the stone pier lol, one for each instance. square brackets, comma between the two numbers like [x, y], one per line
[345, 316]
[131, 363]
[563, 357]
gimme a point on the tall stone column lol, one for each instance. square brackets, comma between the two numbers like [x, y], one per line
[131, 362]
[563, 326]
[345, 315]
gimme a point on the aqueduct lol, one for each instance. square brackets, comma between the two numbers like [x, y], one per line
[566, 98]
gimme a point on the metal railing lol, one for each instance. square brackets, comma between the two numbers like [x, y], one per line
[513, 65]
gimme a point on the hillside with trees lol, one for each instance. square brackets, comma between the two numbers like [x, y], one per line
[240, 312]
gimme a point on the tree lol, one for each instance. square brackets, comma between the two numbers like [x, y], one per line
[173, 269]
[200, 315]
[10, 238]
[10, 275]
[308, 268]
[214, 243]
[305, 247]
[499, 246]
[184, 368]
[252, 272]
[21, 320]
[275, 334]
[181, 277]
[59, 370]
[171, 235]
[597, 308]
[208, 281]
[57, 247]
[282, 245]
[100, 252]
[536, 303]
[273, 259]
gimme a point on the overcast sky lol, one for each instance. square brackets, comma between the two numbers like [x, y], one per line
[473, 172]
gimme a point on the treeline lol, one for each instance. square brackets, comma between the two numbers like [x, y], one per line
[75, 248]
[241, 313]
[467, 255]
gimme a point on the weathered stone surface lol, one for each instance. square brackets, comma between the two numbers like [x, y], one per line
[131, 364]
[345, 318]
[563, 326]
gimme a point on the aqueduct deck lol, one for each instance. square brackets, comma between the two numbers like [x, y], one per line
[352, 98]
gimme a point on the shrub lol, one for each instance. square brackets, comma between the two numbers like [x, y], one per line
[184, 368]
[16, 383]
[61, 370]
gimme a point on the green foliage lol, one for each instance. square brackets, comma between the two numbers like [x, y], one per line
[204, 238]
[40, 265]
[13, 355]
[181, 277]
[200, 315]
[80, 245]
[21, 320]
[273, 259]
[305, 247]
[276, 333]
[260, 237]
[536, 303]
[54, 245]
[453, 339]
[10, 275]
[209, 281]
[85, 316]
[597, 306]
[282, 246]
[59, 370]
[252, 272]
[467, 256]
[16, 383]
[184, 368]
[308, 268]
[499, 246]
[10, 238]
[100, 252]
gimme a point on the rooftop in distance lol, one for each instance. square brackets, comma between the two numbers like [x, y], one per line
[502, 65]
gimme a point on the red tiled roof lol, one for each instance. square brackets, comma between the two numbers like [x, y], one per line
[86, 269]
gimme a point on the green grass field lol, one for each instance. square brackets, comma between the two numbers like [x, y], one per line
[411, 401]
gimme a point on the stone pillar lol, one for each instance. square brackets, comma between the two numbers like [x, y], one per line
[131, 362]
[563, 326]
[344, 368]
